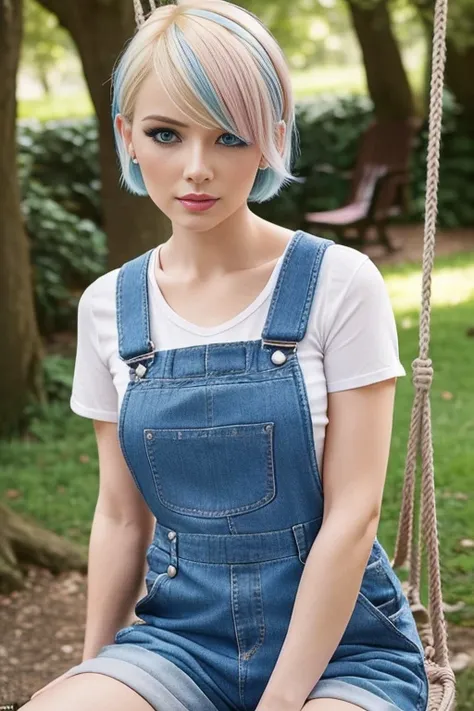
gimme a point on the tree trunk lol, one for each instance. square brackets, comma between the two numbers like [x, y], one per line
[459, 72]
[100, 29]
[387, 80]
[20, 352]
[23, 543]
[459, 60]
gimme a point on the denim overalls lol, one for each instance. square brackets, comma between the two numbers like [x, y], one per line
[219, 441]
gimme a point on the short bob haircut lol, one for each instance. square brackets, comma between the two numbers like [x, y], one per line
[222, 68]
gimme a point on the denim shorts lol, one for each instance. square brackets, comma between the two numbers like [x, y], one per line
[167, 688]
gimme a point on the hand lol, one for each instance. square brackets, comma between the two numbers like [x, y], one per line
[51, 684]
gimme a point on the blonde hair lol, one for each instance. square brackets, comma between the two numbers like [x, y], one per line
[222, 68]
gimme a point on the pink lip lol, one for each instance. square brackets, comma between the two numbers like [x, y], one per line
[197, 196]
[197, 205]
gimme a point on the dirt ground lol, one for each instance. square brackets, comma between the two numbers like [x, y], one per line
[409, 243]
[42, 626]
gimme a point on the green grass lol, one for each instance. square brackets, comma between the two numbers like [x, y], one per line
[452, 402]
[56, 472]
[76, 105]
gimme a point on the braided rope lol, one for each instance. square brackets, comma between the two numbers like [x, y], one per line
[140, 13]
[420, 440]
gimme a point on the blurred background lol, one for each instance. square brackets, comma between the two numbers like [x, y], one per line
[361, 73]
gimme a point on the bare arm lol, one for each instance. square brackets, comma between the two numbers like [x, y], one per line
[355, 462]
[121, 532]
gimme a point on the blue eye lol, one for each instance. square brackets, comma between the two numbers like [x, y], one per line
[155, 132]
[239, 141]
[164, 136]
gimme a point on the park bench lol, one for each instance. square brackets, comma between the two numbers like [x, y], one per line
[379, 185]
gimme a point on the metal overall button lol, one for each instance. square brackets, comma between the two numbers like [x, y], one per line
[173, 566]
[140, 370]
[278, 357]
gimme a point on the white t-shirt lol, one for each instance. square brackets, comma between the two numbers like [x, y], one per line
[351, 339]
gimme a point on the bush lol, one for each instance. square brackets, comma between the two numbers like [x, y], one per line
[61, 206]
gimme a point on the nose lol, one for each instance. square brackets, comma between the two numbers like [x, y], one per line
[197, 163]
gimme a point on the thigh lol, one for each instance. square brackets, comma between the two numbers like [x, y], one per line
[91, 691]
[329, 705]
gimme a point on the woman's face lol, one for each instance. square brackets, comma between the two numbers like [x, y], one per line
[178, 157]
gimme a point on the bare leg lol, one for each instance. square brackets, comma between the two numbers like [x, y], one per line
[329, 705]
[88, 692]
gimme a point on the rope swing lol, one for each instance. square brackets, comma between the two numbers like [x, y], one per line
[431, 623]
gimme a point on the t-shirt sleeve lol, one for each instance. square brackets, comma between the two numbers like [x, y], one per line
[361, 342]
[93, 391]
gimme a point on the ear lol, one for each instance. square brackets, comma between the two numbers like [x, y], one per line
[281, 133]
[125, 129]
[280, 141]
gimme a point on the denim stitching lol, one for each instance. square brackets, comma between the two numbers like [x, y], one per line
[118, 294]
[314, 279]
[277, 290]
[235, 612]
[145, 309]
[300, 540]
[389, 625]
[122, 414]
[261, 627]
[259, 562]
[156, 585]
[209, 407]
[231, 525]
[155, 383]
[308, 432]
[270, 482]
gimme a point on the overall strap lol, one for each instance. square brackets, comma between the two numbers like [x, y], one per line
[133, 320]
[293, 295]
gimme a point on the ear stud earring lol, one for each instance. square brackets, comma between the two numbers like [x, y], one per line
[134, 159]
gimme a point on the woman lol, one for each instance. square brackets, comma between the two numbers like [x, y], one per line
[251, 371]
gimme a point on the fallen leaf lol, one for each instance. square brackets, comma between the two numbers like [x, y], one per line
[460, 661]
[458, 495]
[13, 494]
[467, 543]
[446, 395]
[454, 608]
[84, 459]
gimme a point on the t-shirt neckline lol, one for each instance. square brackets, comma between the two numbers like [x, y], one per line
[186, 325]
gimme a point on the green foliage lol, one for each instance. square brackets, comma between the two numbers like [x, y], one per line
[45, 43]
[58, 375]
[460, 28]
[61, 205]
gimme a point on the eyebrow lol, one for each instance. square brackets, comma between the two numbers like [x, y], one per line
[166, 120]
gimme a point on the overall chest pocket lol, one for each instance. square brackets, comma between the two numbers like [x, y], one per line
[213, 471]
